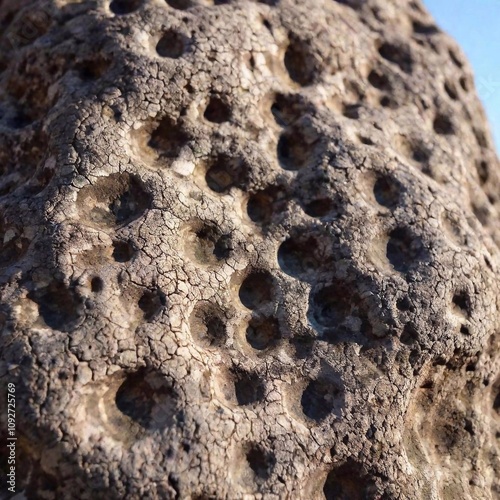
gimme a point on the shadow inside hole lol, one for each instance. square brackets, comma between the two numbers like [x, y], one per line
[263, 332]
[208, 325]
[257, 289]
[248, 388]
[171, 45]
[349, 482]
[321, 398]
[261, 462]
[123, 251]
[148, 399]
[121, 7]
[405, 250]
[152, 303]
[217, 111]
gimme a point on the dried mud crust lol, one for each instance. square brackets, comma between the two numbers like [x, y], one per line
[247, 250]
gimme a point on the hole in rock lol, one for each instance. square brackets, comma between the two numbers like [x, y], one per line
[461, 301]
[294, 150]
[148, 399]
[379, 80]
[114, 200]
[208, 325]
[387, 191]
[409, 335]
[349, 482]
[12, 245]
[172, 45]
[59, 306]
[424, 29]
[262, 333]
[225, 173]
[124, 6]
[123, 251]
[248, 388]
[299, 62]
[180, 4]
[151, 303]
[405, 249]
[299, 256]
[263, 205]
[443, 125]
[257, 289]
[261, 462]
[397, 54]
[96, 284]
[206, 245]
[217, 110]
[340, 311]
[320, 398]
[168, 138]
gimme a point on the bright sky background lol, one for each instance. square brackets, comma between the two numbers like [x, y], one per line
[475, 24]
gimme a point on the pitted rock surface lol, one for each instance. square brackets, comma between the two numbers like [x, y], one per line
[248, 250]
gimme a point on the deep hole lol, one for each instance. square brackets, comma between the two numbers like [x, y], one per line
[225, 173]
[299, 62]
[208, 325]
[131, 203]
[320, 398]
[404, 304]
[123, 251]
[299, 256]
[148, 399]
[351, 111]
[456, 60]
[168, 138]
[59, 306]
[464, 329]
[96, 285]
[387, 191]
[419, 153]
[217, 111]
[424, 29]
[151, 303]
[209, 245]
[405, 250]
[397, 54]
[461, 300]
[451, 91]
[294, 151]
[124, 6]
[366, 140]
[257, 289]
[443, 125]
[481, 139]
[379, 80]
[409, 335]
[464, 83]
[284, 109]
[261, 462]
[264, 204]
[340, 311]
[262, 333]
[354, 4]
[171, 44]
[349, 482]
[496, 402]
[322, 207]
[482, 171]
[180, 4]
[248, 388]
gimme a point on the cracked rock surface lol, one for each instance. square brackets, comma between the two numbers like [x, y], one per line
[247, 250]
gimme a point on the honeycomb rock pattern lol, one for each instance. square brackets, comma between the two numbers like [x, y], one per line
[248, 249]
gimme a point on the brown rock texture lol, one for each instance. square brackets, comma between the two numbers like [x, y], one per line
[247, 250]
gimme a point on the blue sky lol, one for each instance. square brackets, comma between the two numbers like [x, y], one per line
[475, 24]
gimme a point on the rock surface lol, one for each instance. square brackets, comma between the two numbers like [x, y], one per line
[247, 250]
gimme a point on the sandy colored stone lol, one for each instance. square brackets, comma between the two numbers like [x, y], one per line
[247, 250]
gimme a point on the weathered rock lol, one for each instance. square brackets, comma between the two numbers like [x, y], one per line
[248, 250]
